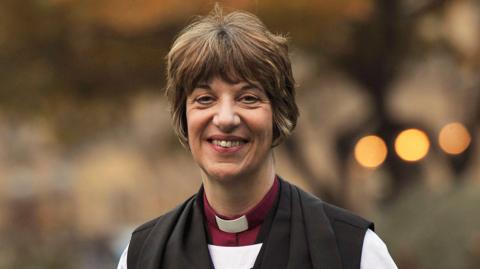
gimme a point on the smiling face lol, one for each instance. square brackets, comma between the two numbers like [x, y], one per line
[230, 129]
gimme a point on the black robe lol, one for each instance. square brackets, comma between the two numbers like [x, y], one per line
[301, 231]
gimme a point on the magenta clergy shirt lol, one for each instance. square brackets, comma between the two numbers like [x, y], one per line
[255, 217]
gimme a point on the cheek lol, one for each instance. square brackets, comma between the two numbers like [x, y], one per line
[192, 134]
[190, 125]
[196, 122]
[263, 123]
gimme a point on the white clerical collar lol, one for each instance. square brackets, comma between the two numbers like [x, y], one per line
[232, 226]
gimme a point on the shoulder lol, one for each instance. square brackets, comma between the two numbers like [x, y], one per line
[347, 228]
[337, 214]
[334, 213]
[158, 226]
[350, 231]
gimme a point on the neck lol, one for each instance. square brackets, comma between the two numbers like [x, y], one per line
[235, 196]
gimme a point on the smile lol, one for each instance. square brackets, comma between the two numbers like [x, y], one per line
[227, 143]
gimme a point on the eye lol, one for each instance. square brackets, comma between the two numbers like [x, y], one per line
[204, 99]
[249, 99]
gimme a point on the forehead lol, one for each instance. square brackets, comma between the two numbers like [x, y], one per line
[234, 69]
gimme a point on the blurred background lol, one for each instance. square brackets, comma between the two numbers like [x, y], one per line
[389, 93]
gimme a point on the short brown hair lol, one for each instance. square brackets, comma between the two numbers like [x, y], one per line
[235, 47]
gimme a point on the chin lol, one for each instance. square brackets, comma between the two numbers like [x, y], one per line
[222, 174]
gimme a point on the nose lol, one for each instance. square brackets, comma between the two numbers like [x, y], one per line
[226, 119]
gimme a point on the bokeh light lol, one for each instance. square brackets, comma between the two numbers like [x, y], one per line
[412, 145]
[370, 151]
[454, 138]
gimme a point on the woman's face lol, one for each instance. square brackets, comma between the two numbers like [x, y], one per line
[229, 128]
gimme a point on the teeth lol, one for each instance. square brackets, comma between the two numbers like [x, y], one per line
[226, 143]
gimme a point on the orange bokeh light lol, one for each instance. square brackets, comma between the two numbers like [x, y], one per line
[412, 145]
[454, 138]
[370, 151]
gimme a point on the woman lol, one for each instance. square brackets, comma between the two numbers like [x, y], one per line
[230, 85]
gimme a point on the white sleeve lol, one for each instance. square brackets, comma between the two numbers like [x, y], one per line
[122, 263]
[375, 253]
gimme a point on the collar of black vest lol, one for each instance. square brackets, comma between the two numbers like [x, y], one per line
[300, 235]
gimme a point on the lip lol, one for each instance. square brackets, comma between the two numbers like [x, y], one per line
[220, 149]
[227, 137]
